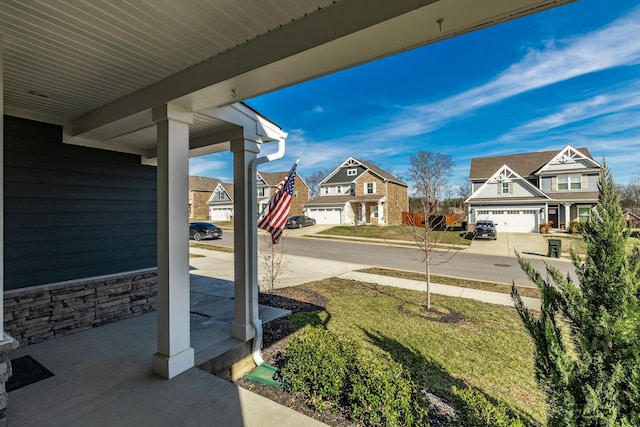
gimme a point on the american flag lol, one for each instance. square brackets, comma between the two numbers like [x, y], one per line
[277, 210]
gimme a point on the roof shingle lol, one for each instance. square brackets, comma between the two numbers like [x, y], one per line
[525, 164]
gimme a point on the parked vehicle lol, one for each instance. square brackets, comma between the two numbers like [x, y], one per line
[299, 221]
[204, 230]
[485, 230]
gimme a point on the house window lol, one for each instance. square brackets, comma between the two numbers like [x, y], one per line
[352, 172]
[569, 182]
[326, 190]
[584, 213]
[295, 194]
[261, 192]
[370, 188]
[505, 188]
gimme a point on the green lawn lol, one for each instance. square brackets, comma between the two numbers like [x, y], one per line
[466, 343]
[397, 232]
[575, 242]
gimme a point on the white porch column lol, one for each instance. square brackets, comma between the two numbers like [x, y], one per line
[174, 354]
[7, 343]
[567, 215]
[245, 239]
[381, 218]
[363, 213]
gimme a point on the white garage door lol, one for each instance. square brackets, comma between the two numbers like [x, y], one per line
[512, 221]
[326, 215]
[220, 214]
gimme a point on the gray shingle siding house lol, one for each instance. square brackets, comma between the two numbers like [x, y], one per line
[520, 192]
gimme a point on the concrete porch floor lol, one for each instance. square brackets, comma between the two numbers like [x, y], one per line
[103, 376]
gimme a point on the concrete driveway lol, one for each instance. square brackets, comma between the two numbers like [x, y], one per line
[508, 243]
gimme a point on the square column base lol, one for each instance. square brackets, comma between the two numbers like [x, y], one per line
[242, 332]
[170, 366]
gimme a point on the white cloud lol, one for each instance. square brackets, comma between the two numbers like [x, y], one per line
[608, 112]
[214, 165]
[609, 47]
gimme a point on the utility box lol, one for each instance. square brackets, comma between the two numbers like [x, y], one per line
[555, 248]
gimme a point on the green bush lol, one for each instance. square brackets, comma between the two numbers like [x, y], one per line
[382, 394]
[371, 387]
[317, 362]
[474, 409]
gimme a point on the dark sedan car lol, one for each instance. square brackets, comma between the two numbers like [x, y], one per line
[204, 230]
[485, 230]
[299, 221]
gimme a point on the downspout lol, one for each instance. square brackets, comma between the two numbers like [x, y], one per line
[255, 320]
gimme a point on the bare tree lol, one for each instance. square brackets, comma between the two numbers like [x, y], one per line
[313, 181]
[273, 262]
[464, 190]
[630, 195]
[358, 215]
[429, 173]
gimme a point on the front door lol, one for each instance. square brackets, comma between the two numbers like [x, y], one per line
[553, 215]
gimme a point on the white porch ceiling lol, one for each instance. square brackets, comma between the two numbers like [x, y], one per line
[99, 67]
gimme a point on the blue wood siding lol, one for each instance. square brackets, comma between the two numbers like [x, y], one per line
[72, 212]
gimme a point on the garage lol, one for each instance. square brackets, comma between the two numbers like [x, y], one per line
[220, 214]
[326, 215]
[511, 220]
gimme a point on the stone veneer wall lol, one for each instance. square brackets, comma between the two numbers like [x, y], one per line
[41, 313]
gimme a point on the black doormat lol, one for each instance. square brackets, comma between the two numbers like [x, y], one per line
[26, 370]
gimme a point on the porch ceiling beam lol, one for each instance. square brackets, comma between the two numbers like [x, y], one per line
[326, 41]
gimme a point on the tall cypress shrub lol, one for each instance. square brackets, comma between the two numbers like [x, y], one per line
[591, 373]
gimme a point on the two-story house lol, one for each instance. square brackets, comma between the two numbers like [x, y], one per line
[520, 192]
[266, 184]
[220, 202]
[358, 191]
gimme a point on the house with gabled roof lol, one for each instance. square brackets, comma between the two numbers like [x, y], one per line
[358, 191]
[520, 192]
[200, 189]
[220, 202]
[266, 184]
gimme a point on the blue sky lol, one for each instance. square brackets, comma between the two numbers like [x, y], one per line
[570, 75]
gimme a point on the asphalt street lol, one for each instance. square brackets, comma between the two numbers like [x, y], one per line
[452, 263]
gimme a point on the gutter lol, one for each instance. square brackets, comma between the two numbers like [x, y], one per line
[255, 320]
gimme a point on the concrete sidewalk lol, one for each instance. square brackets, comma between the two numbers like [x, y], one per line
[303, 269]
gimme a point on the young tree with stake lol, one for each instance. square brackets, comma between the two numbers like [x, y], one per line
[429, 173]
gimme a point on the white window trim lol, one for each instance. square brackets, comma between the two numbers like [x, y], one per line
[578, 207]
[569, 180]
[366, 188]
[352, 172]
